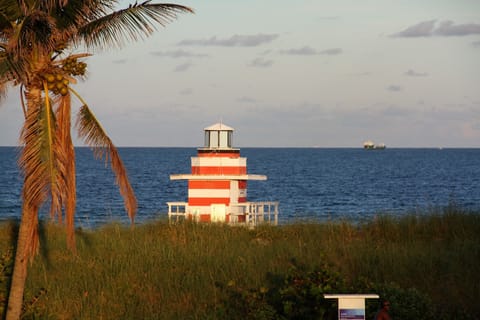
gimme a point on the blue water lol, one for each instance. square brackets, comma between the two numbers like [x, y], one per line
[309, 183]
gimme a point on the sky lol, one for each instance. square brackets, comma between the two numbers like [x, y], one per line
[304, 73]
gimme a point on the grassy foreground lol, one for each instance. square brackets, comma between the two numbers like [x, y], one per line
[428, 266]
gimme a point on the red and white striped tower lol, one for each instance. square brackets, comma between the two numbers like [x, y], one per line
[218, 182]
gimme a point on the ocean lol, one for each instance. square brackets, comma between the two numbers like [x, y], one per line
[311, 184]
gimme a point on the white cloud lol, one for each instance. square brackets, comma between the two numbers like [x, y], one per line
[183, 67]
[448, 28]
[331, 52]
[394, 88]
[261, 63]
[246, 99]
[309, 51]
[422, 29]
[178, 54]
[233, 41]
[306, 51]
[445, 29]
[412, 73]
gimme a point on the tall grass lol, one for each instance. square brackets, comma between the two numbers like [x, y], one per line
[162, 271]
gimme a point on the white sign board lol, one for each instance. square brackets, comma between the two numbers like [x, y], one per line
[351, 306]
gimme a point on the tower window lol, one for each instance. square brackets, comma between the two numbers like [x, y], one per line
[218, 139]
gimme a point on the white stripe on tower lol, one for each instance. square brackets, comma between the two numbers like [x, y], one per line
[218, 162]
[208, 193]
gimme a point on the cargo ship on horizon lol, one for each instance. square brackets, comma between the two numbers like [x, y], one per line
[370, 145]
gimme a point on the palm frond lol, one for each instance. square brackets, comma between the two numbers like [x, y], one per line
[32, 164]
[10, 70]
[31, 160]
[9, 12]
[41, 157]
[130, 24]
[76, 12]
[4, 74]
[45, 5]
[94, 136]
[30, 242]
[22, 100]
[50, 151]
[67, 164]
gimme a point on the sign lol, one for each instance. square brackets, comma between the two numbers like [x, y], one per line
[351, 306]
[351, 314]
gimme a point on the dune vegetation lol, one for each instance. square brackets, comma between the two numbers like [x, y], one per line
[426, 264]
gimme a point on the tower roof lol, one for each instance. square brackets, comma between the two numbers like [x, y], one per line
[218, 127]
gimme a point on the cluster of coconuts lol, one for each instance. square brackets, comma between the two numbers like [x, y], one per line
[74, 67]
[57, 83]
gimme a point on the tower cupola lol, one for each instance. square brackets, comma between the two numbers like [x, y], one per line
[218, 136]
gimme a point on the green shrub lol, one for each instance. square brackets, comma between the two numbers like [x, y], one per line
[406, 303]
[298, 294]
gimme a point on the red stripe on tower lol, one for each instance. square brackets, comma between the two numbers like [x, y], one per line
[207, 201]
[219, 170]
[209, 184]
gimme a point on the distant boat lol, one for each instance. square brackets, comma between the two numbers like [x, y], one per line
[370, 145]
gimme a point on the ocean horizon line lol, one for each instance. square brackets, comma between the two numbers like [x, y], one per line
[275, 147]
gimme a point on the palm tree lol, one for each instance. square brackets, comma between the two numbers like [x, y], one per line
[37, 43]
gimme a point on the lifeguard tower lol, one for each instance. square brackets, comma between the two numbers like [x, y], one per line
[217, 186]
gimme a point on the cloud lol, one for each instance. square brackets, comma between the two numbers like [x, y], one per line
[183, 67]
[448, 28]
[444, 29]
[246, 99]
[422, 29]
[306, 51]
[331, 52]
[233, 41]
[394, 88]
[412, 73]
[178, 54]
[309, 51]
[261, 63]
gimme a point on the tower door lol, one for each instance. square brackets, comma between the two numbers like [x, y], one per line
[218, 212]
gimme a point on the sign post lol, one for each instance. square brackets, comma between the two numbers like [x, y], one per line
[351, 306]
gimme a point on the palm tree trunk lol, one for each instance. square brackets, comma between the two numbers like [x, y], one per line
[28, 226]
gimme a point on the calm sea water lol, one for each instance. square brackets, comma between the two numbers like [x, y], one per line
[309, 183]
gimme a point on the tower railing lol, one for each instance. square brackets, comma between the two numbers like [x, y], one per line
[245, 213]
[177, 210]
[255, 213]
